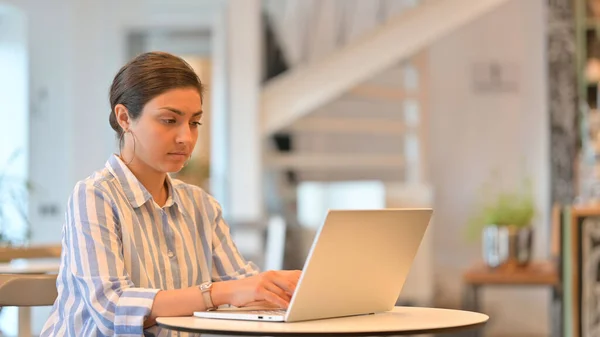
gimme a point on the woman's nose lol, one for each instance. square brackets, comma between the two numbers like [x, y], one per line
[184, 135]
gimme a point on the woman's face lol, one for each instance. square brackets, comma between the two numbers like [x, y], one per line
[167, 130]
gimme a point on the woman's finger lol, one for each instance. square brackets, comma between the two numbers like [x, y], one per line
[275, 289]
[285, 283]
[261, 304]
[273, 298]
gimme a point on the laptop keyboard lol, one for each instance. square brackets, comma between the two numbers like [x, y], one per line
[265, 312]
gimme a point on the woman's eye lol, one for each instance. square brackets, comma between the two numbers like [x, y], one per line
[169, 121]
[196, 124]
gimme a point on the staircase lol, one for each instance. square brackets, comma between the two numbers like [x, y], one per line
[355, 94]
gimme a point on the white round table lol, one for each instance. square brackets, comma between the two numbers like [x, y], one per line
[399, 321]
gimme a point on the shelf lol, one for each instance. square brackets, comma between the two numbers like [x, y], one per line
[591, 23]
[536, 273]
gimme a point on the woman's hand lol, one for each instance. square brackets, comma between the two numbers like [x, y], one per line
[273, 287]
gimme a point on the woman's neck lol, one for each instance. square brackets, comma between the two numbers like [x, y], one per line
[154, 181]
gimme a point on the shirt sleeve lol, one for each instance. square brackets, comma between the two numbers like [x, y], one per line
[228, 263]
[93, 241]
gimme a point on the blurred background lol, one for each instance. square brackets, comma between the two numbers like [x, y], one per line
[484, 110]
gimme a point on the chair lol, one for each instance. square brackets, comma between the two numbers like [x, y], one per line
[25, 291]
[26, 286]
[22, 290]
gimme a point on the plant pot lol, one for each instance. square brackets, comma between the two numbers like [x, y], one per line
[507, 245]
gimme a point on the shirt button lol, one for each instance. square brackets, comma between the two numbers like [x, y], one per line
[170, 254]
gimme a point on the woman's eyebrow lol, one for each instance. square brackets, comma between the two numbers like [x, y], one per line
[180, 113]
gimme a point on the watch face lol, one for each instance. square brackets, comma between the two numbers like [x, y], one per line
[205, 286]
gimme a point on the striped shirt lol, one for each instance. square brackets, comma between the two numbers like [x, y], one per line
[120, 248]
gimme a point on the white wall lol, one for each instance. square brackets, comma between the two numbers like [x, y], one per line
[473, 133]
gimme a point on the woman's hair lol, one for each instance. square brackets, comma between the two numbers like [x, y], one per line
[145, 77]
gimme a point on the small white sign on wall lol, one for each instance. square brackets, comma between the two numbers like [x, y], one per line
[495, 77]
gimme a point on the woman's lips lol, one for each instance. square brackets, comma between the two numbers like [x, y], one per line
[179, 154]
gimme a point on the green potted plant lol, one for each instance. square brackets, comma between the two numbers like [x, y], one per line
[504, 223]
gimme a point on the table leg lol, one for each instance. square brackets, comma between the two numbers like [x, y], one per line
[471, 297]
[471, 302]
[475, 298]
[556, 313]
[24, 322]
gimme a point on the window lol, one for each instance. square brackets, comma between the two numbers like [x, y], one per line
[14, 123]
[316, 198]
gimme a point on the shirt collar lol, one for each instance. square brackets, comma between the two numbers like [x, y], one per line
[135, 192]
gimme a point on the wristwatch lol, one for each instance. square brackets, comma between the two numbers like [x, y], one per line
[205, 288]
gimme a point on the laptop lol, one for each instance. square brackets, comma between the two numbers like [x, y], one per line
[357, 265]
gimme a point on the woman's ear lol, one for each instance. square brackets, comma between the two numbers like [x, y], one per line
[122, 115]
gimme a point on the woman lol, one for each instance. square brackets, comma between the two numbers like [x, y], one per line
[137, 244]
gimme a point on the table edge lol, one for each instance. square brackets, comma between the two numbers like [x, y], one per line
[345, 333]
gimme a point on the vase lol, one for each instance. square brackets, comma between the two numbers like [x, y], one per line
[507, 245]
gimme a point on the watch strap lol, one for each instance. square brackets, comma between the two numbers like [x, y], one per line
[206, 288]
